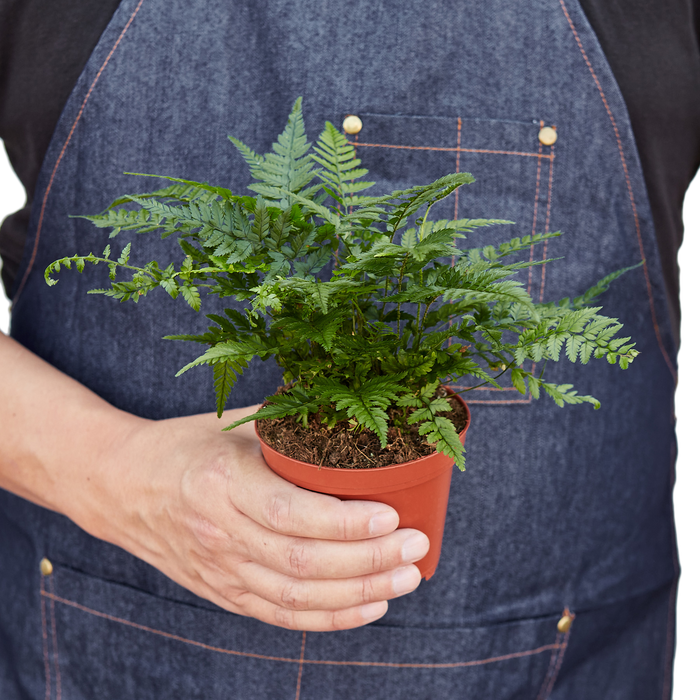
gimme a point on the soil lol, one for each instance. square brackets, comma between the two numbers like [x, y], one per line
[344, 447]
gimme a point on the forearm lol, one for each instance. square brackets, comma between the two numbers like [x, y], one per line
[53, 434]
[198, 504]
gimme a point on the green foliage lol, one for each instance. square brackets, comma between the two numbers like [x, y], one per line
[389, 324]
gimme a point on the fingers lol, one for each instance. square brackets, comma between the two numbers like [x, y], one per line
[322, 559]
[282, 507]
[306, 595]
[252, 605]
[316, 620]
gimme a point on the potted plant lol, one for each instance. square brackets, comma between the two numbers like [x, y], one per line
[368, 306]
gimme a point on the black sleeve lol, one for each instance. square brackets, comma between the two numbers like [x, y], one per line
[653, 47]
[44, 45]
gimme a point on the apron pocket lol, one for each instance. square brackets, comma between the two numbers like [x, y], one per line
[107, 640]
[513, 174]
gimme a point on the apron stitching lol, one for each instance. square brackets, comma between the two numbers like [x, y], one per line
[459, 153]
[550, 668]
[650, 293]
[45, 641]
[298, 660]
[502, 402]
[301, 665]
[534, 213]
[552, 675]
[459, 664]
[54, 637]
[546, 222]
[458, 149]
[62, 153]
[456, 213]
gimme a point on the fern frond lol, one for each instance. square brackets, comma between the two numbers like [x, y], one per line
[441, 432]
[339, 168]
[295, 402]
[288, 168]
[224, 378]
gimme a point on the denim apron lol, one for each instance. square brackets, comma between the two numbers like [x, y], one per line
[561, 512]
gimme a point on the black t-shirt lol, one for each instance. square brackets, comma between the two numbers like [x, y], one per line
[653, 47]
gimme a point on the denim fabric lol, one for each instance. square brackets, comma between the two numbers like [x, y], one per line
[558, 508]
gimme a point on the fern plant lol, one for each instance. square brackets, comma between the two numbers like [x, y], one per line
[365, 302]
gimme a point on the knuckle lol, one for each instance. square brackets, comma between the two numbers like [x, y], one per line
[278, 512]
[294, 597]
[367, 592]
[209, 536]
[285, 618]
[377, 558]
[337, 621]
[299, 559]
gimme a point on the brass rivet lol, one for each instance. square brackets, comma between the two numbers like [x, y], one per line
[46, 567]
[547, 136]
[352, 124]
[564, 625]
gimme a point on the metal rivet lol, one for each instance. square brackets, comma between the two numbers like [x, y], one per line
[547, 136]
[352, 124]
[46, 567]
[564, 625]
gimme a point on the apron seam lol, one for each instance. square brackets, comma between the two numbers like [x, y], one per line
[557, 659]
[301, 660]
[301, 665]
[54, 637]
[45, 640]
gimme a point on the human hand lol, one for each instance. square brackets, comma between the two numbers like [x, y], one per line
[204, 508]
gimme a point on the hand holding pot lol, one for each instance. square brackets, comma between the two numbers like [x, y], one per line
[199, 504]
[207, 511]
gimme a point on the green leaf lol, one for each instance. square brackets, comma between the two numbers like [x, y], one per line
[292, 403]
[441, 432]
[224, 379]
[288, 168]
[191, 296]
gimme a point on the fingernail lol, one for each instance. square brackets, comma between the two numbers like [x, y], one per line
[415, 548]
[373, 611]
[383, 523]
[405, 580]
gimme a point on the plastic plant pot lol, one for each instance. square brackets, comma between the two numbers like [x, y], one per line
[418, 490]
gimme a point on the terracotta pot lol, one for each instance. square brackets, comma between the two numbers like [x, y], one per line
[417, 490]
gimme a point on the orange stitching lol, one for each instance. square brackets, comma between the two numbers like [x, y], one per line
[459, 664]
[459, 143]
[55, 643]
[534, 214]
[650, 294]
[45, 641]
[505, 401]
[63, 150]
[550, 680]
[167, 635]
[301, 665]
[459, 153]
[492, 388]
[550, 669]
[546, 225]
[457, 149]
[560, 660]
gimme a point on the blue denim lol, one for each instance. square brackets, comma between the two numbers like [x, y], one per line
[559, 509]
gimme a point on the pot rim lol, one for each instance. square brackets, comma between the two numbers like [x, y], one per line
[436, 458]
